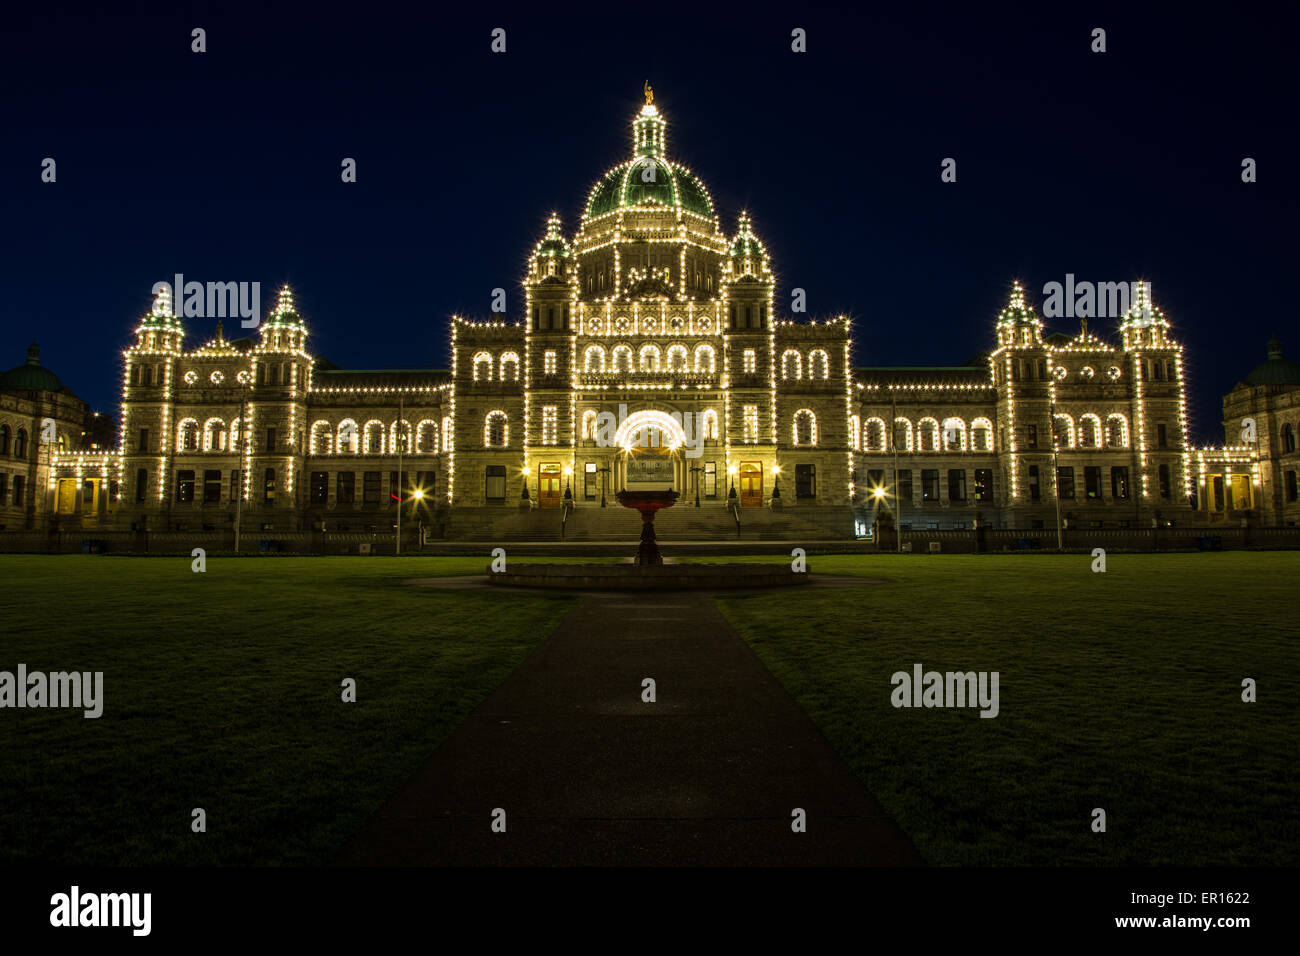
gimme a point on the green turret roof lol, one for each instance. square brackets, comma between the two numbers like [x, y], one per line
[31, 376]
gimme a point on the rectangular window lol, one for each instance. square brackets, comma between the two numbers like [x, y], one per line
[1292, 490]
[751, 362]
[983, 484]
[957, 484]
[320, 487]
[549, 362]
[1218, 492]
[495, 484]
[144, 440]
[1119, 483]
[905, 484]
[4, 486]
[212, 487]
[268, 485]
[751, 424]
[345, 487]
[875, 479]
[1166, 487]
[370, 488]
[1162, 437]
[710, 479]
[20, 486]
[236, 484]
[550, 425]
[805, 481]
[1031, 436]
[184, 486]
[141, 485]
[398, 490]
[1035, 489]
[929, 484]
[1065, 482]
[270, 440]
[589, 477]
[1092, 481]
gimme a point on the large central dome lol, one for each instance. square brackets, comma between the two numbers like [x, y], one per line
[649, 179]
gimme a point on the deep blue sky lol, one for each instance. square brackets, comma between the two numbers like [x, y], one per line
[225, 165]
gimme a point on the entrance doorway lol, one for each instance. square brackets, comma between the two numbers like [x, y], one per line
[751, 484]
[549, 491]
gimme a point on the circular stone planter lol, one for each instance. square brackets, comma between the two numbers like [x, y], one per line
[672, 577]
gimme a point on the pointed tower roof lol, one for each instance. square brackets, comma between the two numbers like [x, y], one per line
[1142, 312]
[1017, 311]
[285, 314]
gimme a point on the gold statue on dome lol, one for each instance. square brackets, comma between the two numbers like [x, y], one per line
[649, 94]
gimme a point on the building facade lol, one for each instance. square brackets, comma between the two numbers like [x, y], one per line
[648, 353]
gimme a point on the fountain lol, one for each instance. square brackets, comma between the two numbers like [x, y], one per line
[647, 502]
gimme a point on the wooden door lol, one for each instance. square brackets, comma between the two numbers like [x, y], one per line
[751, 484]
[550, 490]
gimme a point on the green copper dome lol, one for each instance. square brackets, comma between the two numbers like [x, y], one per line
[1275, 370]
[31, 376]
[646, 181]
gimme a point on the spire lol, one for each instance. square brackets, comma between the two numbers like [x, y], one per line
[34, 353]
[285, 314]
[649, 129]
[1143, 312]
[1017, 311]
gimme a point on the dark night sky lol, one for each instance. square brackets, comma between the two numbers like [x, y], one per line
[225, 165]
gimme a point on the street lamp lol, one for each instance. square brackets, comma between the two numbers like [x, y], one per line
[776, 484]
[695, 470]
[523, 494]
[604, 473]
[568, 492]
[732, 470]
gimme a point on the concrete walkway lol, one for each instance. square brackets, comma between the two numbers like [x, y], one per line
[588, 773]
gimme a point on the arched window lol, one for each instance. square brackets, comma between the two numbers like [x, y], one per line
[1288, 438]
[20, 443]
[676, 358]
[1089, 431]
[346, 439]
[4, 439]
[709, 424]
[214, 435]
[791, 364]
[954, 434]
[482, 367]
[622, 358]
[372, 439]
[589, 418]
[426, 437]
[188, 438]
[509, 367]
[819, 364]
[1116, 430]
[927, 434]
[448, 434]
[400, 431]
[805, 427]
[855, 433]
[593, 360]
[1063, 430]
[873, 435]
[649, 358]
[705, 359]
[981, 435]
[320, 438]
[902, 434]
[496, 430]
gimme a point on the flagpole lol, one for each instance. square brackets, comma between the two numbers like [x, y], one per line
[401, 445]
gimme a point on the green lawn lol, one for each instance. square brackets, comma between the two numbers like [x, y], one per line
[223, 692]
[1119, 690]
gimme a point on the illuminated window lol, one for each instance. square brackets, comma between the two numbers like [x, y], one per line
[509, 367]
[818, 364]
[709, 425]
[791, 364]
[496, 430]
[805, 427]
[705, 359]
[482, 367]
[751, 361]
[549, 362]
[550, 425]
[751, 424]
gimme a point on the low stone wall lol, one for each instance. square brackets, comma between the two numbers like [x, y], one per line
[670, 577]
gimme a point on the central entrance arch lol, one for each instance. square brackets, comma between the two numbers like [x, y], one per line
[650, 443]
